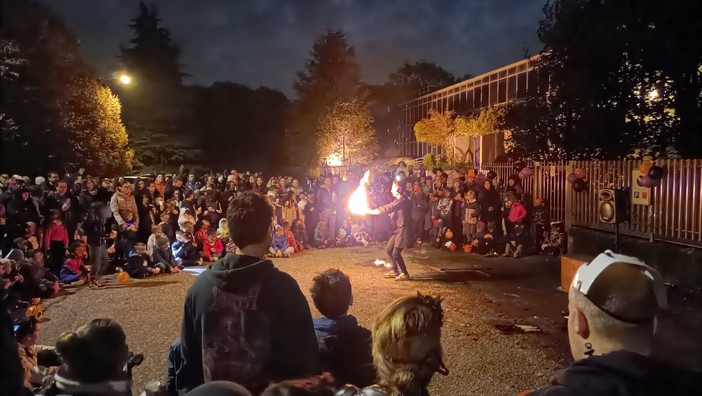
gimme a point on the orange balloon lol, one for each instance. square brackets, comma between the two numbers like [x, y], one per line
[644, 167]
[449, 234]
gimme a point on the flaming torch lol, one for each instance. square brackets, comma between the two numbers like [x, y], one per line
[358, 202]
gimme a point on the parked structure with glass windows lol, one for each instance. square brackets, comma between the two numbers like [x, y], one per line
[510, 83]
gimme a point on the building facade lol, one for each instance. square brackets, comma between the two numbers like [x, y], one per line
[510, 83]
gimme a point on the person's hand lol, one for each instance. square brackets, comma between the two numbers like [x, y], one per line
[19, 278]
[513, 243]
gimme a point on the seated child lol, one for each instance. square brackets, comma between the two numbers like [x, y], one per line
[343, 235]
[212, 247]
[185, 251]
[321, 235]
[74, 267]
[553, 242]
[163, 257]
[358, 232]
[483, 242]
[299, 232]
[223, 230]
[31, 235]
[203, 233]
[138, 264]
[129, 233]
[38, 281]
[517, 242]
[292, 242]
[279, 243]
[156, 232]
[344, 346]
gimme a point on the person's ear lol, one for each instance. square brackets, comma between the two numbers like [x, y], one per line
[582, 327]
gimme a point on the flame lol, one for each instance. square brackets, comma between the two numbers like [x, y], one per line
[358, 202]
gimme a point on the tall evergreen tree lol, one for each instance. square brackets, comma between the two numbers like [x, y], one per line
[330, 74]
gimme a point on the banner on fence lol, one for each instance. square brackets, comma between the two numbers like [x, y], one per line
[639, 195]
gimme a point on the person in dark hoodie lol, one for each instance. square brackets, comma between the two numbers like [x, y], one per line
[344, 346]
[244, 320]
[613, 302]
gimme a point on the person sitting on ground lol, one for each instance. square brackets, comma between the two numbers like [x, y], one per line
[321, 235]
[344, 346]
[163, 257]
[139, 264]
[292, 242]
[278, 341]
[554, 240]
[38, 281]
[74, 268]
[168, 229]
[300, 233]
[613, 303]
[212, 248]
[406, 348]
[517, 242]
[203, 233]
[359, 234]
[38, 361]
[156, 232]
[223, 230]
[279, 243]
[184, 250]
[318, 385]
[94, 360]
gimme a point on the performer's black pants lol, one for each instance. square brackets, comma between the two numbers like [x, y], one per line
[395, 255]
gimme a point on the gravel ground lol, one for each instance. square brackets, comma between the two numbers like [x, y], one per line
[482, 360]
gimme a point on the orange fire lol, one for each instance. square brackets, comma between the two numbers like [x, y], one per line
[358, 202]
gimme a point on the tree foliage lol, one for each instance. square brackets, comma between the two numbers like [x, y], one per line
[92, 116]
[346, 131]
[420, 77]
[41, 70]
[624, 79]
[330, 74]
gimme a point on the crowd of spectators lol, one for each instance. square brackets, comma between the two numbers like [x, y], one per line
[247, 327]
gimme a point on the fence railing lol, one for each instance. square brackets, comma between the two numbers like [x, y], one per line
[674, 215]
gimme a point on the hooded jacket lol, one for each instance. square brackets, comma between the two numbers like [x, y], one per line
[247, 322]
[345, 350]
[622, 373]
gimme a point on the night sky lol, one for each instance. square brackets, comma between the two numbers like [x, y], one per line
[265, 42]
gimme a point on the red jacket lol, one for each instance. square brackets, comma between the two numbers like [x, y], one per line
[207, 246]
[73, 264]
[55, 232]
[517, 213]
[292, 242]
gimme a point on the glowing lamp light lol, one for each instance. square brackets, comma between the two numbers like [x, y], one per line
[334, 160]
[653, 94]
[125, 79]
[358, 202]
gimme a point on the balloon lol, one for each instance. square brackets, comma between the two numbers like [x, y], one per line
[579, 185]
[644, 167]
[646, 181]
[580, 173]
[491, 175]
[449, 234]
[572, 178]
[655, 172]
[525, 172]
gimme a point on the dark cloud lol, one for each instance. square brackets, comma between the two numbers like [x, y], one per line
[264, 42]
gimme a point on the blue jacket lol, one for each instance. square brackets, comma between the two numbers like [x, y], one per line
[279, 242]
[345, 350]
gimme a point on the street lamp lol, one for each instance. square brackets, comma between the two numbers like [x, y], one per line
[125, 79]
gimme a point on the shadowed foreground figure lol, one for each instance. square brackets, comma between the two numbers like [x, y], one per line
[406, 348]
[613, 303]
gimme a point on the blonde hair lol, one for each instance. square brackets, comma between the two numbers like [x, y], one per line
[404, 318]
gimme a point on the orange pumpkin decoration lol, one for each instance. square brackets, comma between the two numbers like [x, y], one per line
[468, 248]
[449, 234]
[122, 277]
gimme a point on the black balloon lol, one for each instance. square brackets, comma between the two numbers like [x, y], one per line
[579, 185]
[491, 175]
[655, 172]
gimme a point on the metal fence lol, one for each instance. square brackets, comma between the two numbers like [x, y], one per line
[675, 213]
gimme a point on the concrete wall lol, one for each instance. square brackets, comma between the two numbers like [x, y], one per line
[679, 265]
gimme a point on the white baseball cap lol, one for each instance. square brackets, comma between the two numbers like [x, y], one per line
[586, 277]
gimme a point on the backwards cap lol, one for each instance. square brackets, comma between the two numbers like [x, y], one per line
[601, 294]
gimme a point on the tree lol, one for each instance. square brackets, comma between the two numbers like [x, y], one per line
[330, 74]
[92, 114]
[420, 77]
[346, 132]
[623, 80]
[443, 129]
[40, 59]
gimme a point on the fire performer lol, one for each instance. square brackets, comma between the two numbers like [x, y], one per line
[400, 211]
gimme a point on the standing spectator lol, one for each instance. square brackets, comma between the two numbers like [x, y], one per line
[124, 200]
[96, 238]
[514, 187]
[489, 200]
[244, 289]
[192, 183]
[160, 184]
[457, 211]
[471, 214]
[20, 211]
[517, 213]
[540, 221]
[56, 241]
[64, 201]
[325, 204]
[176, 185]
[420, 207]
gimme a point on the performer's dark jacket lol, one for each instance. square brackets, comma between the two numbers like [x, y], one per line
[247, 322]
[400, 211]
[622, 373]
